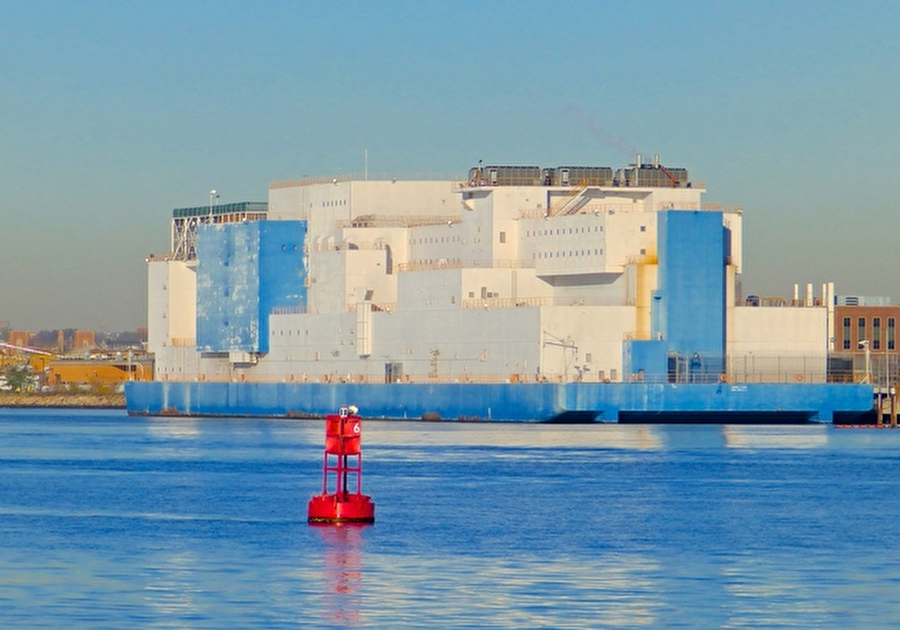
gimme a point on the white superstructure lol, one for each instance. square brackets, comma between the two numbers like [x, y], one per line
[476, 280]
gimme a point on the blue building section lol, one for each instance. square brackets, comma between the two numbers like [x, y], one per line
[514, 402]
[691, 295]
[244, 271]
[688, 308]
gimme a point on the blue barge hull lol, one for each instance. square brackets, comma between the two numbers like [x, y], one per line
[510, 402]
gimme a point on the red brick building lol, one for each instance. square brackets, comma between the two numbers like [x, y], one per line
[875, 324]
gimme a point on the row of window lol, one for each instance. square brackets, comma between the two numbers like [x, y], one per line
[569, 254]
[529, 233]
[434, 239]
[862, 335]
[562, 231]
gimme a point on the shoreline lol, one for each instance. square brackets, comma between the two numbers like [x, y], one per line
[71, 400]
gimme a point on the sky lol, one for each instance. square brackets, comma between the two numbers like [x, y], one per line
[114, 113]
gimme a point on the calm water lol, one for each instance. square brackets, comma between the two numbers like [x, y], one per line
[109, 521]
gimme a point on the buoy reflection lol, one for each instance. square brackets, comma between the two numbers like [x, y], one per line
[343, 571]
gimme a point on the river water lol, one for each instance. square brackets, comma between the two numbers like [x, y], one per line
[110, 521]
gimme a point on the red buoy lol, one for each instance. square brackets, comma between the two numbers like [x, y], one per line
[343, 462]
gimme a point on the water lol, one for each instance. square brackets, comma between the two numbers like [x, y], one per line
[110, 521]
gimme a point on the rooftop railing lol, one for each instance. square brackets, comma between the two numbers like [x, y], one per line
[456, 263]
[367, 177]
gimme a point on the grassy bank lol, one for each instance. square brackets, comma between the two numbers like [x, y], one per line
[63, 399]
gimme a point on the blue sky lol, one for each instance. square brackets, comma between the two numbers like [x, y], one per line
[112, 114]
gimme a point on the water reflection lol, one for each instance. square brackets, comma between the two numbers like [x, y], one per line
[537, 436]
[173, 428]
[343, 572]
[405, 440]
[471, 592]
[172, 585]
[753, 437]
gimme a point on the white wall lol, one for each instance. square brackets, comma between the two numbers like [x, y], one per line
[779, 330]
[596, 331]
[172, 310]
[315, 345]
[778, 344]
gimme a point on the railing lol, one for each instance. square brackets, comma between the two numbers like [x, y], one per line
[878, 369]
[238, 376]
[744, 369]
[539, 301]
[349, 245]
[715, 205]
[642, 259]
[404, 221]
[385, 307]
[455, 263]
[769, 301]
[506, 302]
[289, 310]
[589, 208]
[454, 179]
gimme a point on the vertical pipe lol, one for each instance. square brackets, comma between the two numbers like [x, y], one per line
[829, 301]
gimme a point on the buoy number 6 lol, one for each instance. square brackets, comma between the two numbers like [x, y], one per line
[356, 428]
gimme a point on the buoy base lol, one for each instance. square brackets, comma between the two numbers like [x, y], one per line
[352, 508]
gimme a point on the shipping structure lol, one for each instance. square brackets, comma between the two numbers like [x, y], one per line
[519, 293]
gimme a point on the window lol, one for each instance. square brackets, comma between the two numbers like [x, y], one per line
[502, 237]
[876, 333]
[861, 329]
[643, 228]
[846, 333]
[890, 333]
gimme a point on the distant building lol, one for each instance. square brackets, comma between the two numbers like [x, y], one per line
[84, 340]
[19, 338]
